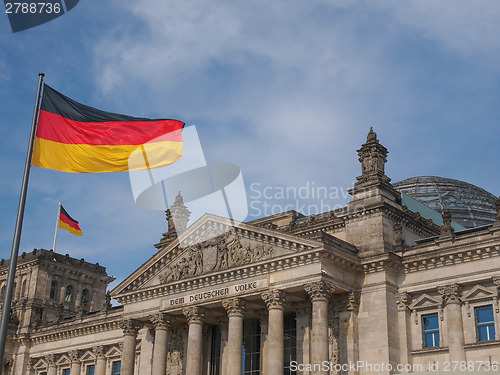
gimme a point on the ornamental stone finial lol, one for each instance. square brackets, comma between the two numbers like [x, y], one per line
[372, 136]
[446, 230]
[274, 299]
[194, 314]
[319, 290]
[234, 307]
[451, 294]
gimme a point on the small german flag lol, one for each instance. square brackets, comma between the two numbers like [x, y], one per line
[68, 223]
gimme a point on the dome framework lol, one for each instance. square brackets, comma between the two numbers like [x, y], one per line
[469, 205]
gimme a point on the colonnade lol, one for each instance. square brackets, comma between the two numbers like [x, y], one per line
[319, 293]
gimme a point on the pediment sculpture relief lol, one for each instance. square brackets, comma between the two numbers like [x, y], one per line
[225, 251]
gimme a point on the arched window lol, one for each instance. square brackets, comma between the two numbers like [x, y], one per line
[69, 294]
[53, 290]
[23, 289]
[84, 299]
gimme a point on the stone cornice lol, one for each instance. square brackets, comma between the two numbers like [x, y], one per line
[265, 267]
[410, 220]
[444, 253]
[382, 262]
[75, 328]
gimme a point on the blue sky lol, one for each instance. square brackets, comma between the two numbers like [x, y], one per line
[286, 90]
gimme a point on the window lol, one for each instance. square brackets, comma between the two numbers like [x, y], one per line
[290, 341]
[430, 326]
[69, 294]
[66, 371]
[90, 370]
[116, 368]
[251, 347]
[215, 351]
[485, 324]
[53, 290]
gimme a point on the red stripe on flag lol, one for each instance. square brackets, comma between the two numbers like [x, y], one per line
[56, 128]
[71, 223]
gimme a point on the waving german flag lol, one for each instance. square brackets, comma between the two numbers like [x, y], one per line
[68, 223]
[73, 137]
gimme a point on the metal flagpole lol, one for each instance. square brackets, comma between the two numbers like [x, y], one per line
[4, 323]
[57, 226]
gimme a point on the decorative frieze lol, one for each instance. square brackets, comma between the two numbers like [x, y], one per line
[274, 299]
[234, 307]
[451, 294]
[319, 290]
[194, 314]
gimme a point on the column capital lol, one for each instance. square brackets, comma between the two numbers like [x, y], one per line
[194, 314]
[74, 356]
[403, 299]
[319, 290]
[162, 320]
[353, 301]
[234, 307]
[130, 327]
[98, 351]
[451, 294]
[50, 359]
[274, 299]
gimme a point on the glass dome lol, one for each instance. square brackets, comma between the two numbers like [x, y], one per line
[469, 205]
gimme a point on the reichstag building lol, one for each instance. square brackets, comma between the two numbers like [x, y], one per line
[405, 278]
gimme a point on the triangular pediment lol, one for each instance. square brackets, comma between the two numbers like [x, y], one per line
[424, 301]
[478, 293]
[210, 245]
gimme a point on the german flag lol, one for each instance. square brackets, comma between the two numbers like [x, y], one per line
[73, 137]
[68, 223]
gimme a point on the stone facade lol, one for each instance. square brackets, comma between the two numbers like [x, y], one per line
[373, 284]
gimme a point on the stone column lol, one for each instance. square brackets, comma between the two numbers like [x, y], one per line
[451, 297]
[52, 368]
[161, 323]
[303, 318]
[195, 316]
[275, 301]
[130, 328]
[76, 366]
[234, 308]
[223, 324]
[319, 293]
[403, 300]
[100, 360]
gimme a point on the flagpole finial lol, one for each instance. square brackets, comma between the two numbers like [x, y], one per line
[41, 74]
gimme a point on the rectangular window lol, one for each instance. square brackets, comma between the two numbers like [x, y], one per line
[251, 347]
[290, 341]
[485, 323]
[90, 370]
[430, 326]
[66, 371]
[116, 368]
[215, 351]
